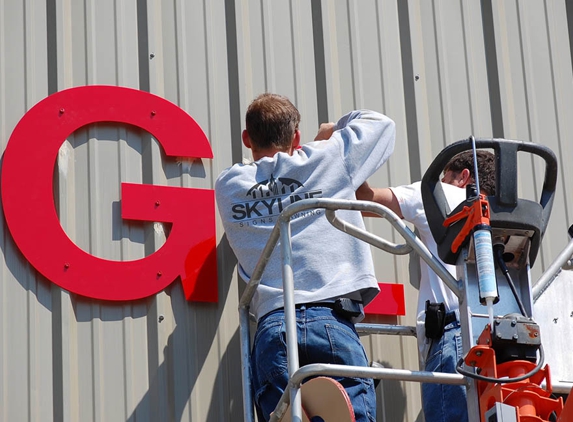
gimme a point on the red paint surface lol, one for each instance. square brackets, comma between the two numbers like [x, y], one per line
[390, 301]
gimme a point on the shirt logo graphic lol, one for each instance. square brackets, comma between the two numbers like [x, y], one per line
[274, 187]
[269, 198]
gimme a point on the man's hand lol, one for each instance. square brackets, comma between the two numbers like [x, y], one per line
[325, 131]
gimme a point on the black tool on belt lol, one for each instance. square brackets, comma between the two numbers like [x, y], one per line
[437, 319]
[348, 308]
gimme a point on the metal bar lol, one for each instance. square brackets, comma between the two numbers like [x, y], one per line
[432, 262]
[549, 275]
[244, 304]
[316, 369]
[282, 231]
[416, 244]
[559, 387]
[260, 268]
[367, 237]
[245, 337]
[334, 204]
[400, 330]
[297, 375]
[290, 316]
[411, 239]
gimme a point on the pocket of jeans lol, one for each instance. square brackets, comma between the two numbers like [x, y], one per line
[434, 359]
[269, 365]
[345, 346]
[269, 355]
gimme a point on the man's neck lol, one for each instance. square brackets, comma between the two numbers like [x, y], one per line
[257, 155]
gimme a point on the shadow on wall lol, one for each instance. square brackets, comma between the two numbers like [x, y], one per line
[392, 400]
[197, 346]
[191, 354]
[200, 348]
[173, 382]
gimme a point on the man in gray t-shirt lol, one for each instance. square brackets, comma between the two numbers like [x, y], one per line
[327, 263]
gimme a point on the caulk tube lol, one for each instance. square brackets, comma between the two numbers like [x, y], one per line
[487, 281]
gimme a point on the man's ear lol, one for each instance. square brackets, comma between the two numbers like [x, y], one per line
[465, 178]
[246, 139]
[296, 140]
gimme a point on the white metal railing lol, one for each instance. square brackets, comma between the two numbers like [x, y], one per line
[563, 260]
[298, 375]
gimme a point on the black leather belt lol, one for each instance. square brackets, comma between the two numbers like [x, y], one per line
[314, 305]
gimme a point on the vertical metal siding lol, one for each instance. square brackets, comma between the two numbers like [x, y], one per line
[25, 337]
[442, 70]
[364, 70]
[275, 54]
[535, 83]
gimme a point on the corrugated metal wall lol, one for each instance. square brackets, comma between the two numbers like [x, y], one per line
[443, 70]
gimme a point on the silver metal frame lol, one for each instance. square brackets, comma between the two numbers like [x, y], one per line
[563, 261]
[298, 375]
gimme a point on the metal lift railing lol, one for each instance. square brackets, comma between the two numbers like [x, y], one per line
[296, 374]
[563, 261]
[517, 226]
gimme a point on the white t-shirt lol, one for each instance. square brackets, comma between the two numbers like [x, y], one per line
[432, 288]
[327, 263]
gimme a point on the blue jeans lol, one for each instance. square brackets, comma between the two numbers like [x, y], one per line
[445, 402]
[323, 337]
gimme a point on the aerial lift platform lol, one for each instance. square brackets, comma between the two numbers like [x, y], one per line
[493, 241]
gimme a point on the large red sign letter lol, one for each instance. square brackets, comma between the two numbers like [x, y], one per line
[27, 197]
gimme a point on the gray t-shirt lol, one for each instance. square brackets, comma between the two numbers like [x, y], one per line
[327, 262]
